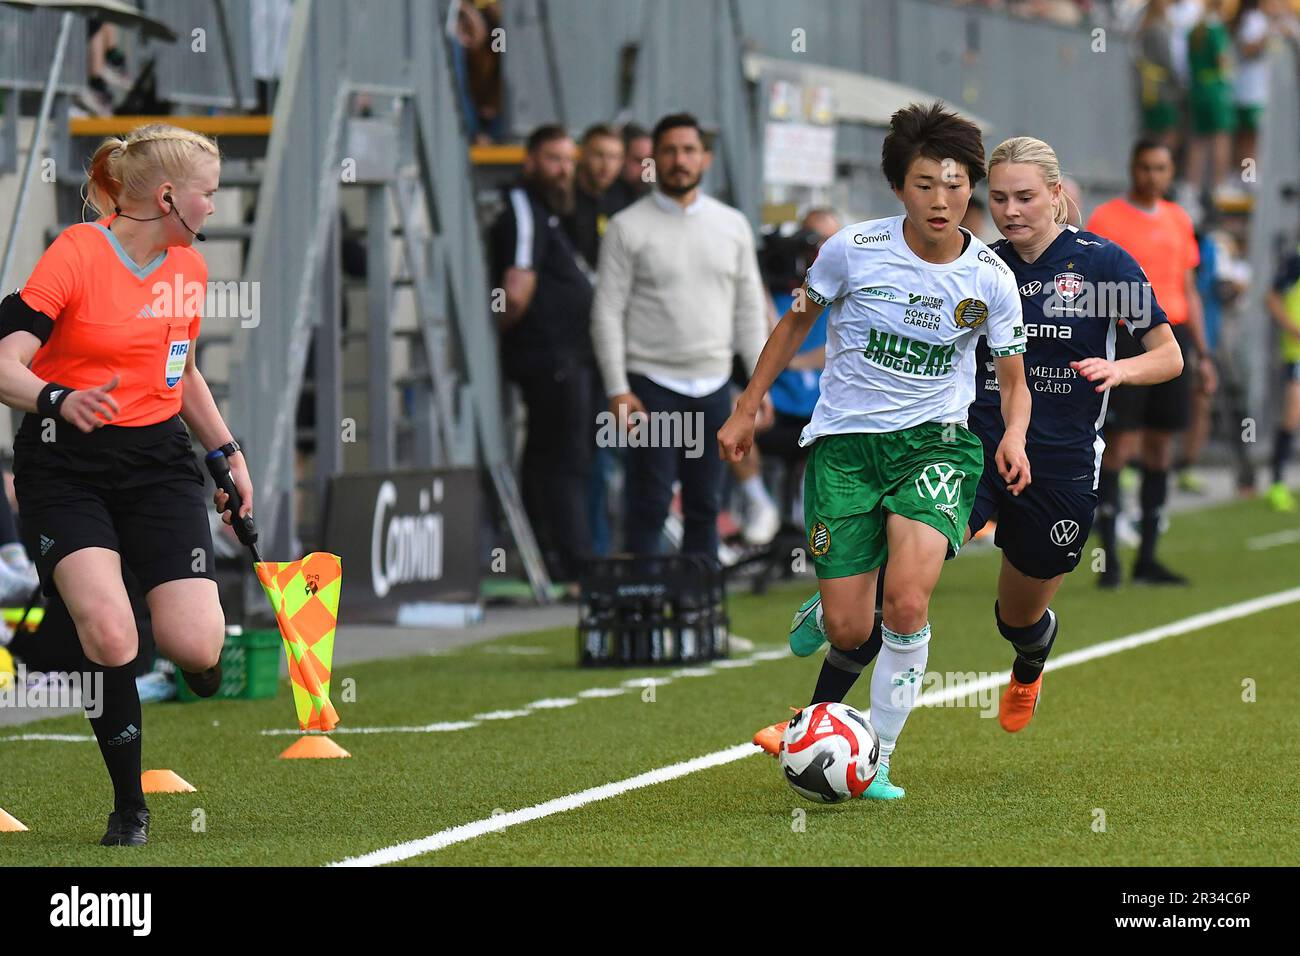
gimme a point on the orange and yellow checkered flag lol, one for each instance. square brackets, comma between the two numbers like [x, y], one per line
[305, 596]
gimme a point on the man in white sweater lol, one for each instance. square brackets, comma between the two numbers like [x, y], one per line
[678, 295]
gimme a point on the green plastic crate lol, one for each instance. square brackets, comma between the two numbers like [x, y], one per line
[250, 668]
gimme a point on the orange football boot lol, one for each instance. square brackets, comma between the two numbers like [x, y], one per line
[1019, 702]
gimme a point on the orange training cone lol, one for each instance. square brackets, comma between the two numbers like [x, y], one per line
[313, 746]
[163, 781]
[9, 824]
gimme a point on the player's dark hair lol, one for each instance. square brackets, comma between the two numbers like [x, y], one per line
[546, 133]
[934, 132]
[1146, 144]
[677, 121]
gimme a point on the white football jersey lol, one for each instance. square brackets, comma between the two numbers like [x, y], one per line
[900, 331]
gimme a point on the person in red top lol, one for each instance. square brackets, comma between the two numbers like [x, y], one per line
[1159, 235]
[104, 471]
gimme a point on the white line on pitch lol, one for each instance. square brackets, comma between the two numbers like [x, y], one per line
[1274, 540]
[69, 738]
[468, 831]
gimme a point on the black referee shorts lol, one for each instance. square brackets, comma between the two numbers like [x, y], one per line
[1165, 407]
[134, 490]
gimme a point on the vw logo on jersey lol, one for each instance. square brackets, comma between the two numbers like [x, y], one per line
[1031, 288]
[1068, 285]
[1064, 532]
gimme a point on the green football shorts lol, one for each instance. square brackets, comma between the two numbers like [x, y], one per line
[928, 473]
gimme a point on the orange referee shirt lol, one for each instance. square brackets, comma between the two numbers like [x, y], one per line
[112, 317]
[1163, 243]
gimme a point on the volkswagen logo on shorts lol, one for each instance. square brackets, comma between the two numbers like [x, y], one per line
[1064, 532]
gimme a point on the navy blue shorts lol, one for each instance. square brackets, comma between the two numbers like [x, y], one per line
[1042, 531]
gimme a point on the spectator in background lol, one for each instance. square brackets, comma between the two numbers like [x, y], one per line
[269, 21]
[594, 201]
[796, 390]
[1284, 306]
[18, 577]
[1250, 33]
[1208, 286]
[598, 169]
[546, 346]
[477, 64]
[1073, 201]
[105, 64]
[677, 295]
[1209, 61]
[1153, 45]
[638, 167]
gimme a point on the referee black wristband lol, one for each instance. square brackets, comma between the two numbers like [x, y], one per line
[52, 396]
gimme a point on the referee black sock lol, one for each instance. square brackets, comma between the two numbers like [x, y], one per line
[1107, 510]
[1155, 490]
[117, 728]
[1281, 454]
[841, 669]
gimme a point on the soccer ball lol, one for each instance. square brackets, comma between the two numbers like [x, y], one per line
[829, 753]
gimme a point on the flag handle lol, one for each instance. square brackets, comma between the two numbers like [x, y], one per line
[219, 468]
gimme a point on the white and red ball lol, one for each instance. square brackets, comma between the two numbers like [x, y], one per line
[829, 753]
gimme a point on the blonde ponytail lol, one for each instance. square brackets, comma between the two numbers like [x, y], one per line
[130, 168]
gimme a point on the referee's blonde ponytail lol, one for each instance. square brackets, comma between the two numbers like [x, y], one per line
[131, 167]
[1026, 149]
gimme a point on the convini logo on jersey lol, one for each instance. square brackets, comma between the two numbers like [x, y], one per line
[898, 352]
[860, 240]
[176, 356]
[74, 909]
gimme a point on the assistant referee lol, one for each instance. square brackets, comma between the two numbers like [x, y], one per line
[109, 340]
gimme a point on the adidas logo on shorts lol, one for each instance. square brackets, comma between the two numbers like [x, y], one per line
[46, 544]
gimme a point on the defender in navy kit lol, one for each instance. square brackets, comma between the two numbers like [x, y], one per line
[1078, 292]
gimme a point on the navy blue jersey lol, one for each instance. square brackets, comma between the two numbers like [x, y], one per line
[1072, 297]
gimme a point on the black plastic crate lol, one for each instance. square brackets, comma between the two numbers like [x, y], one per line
[649, 610]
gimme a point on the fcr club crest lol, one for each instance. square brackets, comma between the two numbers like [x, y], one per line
[1068, 285]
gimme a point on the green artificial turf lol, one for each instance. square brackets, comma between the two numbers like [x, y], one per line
[1157, 738]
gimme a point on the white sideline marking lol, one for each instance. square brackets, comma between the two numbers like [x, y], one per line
[468, 831]
[437, 728]
[71, 738]
[560, 702]
[1277, 539]
[502, 714]
[647, 682]
[1196, 622]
